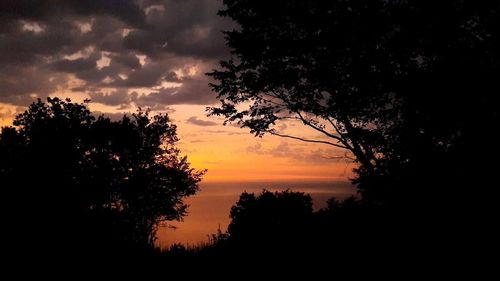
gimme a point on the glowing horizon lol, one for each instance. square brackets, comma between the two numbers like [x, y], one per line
[237, 161]
[232, 154]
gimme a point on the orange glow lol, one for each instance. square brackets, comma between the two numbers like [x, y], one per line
[7, 114]
[209, 209]
[233, 154]
[236, 162]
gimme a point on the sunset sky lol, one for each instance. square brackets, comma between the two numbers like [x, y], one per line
[150, 54]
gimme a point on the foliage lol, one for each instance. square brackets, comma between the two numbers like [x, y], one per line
[92, 180]
[274, 217]
[283, 226]
[407, 87]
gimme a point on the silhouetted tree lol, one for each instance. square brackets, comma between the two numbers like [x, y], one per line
[282, 226]
[271, 222]
[68, 177]
[408, 87]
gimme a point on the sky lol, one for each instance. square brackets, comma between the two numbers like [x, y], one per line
[125, 54]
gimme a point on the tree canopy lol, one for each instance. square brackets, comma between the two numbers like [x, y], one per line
[408, 87]
[270, 215]
[279, 224]
[71, 177]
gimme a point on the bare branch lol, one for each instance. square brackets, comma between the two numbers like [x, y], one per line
[307, 140]
[340, 139]
[334, 126]
[289, 117]
[308, 123]
[271, 101]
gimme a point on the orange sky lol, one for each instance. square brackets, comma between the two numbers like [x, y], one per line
[233, 154]
[238, 161]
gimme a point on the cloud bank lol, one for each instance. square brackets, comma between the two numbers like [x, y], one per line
[118, 52]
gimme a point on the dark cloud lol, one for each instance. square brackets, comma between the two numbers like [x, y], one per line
[119, 52]
[129, 60]
[141, 41]
[189, 27]
[148, 76]
[120, 97]
[195, 121]
[74, 66]
[172, 77]
[18, 84]
[23, 47]
[126, 10]
[94, 77]
[192, 91]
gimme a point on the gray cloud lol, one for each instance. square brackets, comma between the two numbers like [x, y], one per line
[128, 11]
[116, 98]
[195, 121]
[148, 76]
[74, 66]
[188, 27]
[192, 91]
[129, 60]
[109, 49]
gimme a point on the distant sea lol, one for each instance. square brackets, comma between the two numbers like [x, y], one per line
[209, 208]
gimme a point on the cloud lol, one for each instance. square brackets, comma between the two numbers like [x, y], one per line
[281, 150]
[113, 116]
[217, 132]
[195, 121]
[110, 49]
[126, 10]
[188, 27]
[150, 75]
[256, 148]
[129, 60]
[298, 153]
[120, 97]
[74, 66]
[192, 91]
[5, 113]
[18, 84]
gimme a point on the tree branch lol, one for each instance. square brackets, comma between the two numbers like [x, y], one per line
[306, 140]
[308, 123]
[334, 126]
[345, 144]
